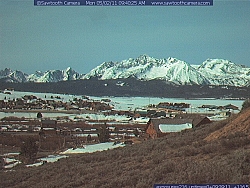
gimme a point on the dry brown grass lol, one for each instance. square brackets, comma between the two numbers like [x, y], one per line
[240, 123]
[178, 158]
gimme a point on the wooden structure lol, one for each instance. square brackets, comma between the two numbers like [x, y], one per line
[198, 119]
[48, 127]
[158, 127]
[49, 123]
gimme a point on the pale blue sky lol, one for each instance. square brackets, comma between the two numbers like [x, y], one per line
[42, 38]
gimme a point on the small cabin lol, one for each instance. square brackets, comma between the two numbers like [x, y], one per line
[158, 127]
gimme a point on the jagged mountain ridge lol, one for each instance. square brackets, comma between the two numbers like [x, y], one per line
[49, 76]
[147, 68]
[172, 70]
[224, 72]
[13, 76]
[210, 72]
[54, 76]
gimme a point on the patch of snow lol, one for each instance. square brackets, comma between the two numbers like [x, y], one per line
[11, 154]
[9, 160]
[35, 164]
[93, 148]
[12, 164]
[49, 159]
[53, 158]
[85, 135]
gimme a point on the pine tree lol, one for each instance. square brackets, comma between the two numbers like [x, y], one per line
[39, 115]
[103, 134]
[29, 149]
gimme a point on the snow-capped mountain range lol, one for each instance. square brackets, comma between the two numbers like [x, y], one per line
[210, 72]
[49, 76]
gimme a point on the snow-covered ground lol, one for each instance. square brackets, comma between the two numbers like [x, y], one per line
[94, 148]
[12, 162]
[126, 103]
[11, 165]
[9, 160]
[19, 94]
[119, 103]
[49, 159]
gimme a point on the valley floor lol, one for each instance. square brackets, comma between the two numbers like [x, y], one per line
[213, 153]
[186, 157]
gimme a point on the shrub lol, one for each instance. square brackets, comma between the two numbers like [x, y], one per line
[235, 140]
[246, 104]
[29, 149]
[210, 148]
[188, 151]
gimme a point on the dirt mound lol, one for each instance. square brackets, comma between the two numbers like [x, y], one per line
[240, 124]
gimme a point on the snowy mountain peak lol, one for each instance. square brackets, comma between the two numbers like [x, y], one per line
[144, 58]
[220, 65]
[5, 72]
[173, 60]
[144, 67]
[13, 76]
[39, 76]
[68, 69]
[147, 68]
[70, 74]
[224, 72]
